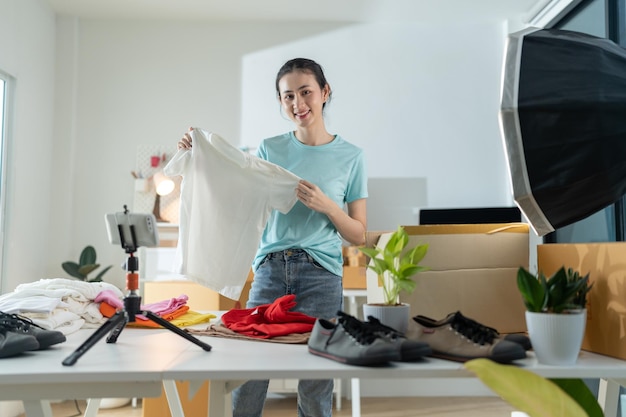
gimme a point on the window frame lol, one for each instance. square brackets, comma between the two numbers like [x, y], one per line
[7, 96]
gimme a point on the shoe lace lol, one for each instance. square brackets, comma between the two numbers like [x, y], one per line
[473, 330]
[377, 327]
[357, 329]
[16, 322]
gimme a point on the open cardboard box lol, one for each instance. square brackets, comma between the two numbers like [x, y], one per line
[473, 269]
[606, 302]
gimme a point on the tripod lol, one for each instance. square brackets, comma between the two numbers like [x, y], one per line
[132, 306]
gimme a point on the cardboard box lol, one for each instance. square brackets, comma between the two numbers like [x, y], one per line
[352, 256]
[354, 277]
[606, 302]
[473, 269]
[201, 298]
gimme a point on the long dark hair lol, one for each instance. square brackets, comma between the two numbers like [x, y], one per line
[303, 65]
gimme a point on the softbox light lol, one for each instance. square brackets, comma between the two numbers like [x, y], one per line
[563, 121]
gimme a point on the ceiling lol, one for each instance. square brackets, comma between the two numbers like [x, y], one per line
[296, 10]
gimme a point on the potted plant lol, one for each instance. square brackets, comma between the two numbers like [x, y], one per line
[395, 265]
[556, 313]
[86, 264]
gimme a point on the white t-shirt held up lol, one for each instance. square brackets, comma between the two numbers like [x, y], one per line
[227, 197]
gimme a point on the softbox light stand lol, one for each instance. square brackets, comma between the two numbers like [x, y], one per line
[132, 306]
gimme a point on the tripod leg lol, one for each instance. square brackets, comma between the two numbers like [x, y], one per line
[160, 320]
[111, 323]
[117, 329]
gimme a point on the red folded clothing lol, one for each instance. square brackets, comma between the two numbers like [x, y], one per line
[269, 320]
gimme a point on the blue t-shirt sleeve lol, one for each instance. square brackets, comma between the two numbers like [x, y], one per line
[357, 186]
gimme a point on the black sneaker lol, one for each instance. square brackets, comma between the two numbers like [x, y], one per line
[461, 339]
[21, 325]
[410, 350]
[12, 343]
[518, 338]
[350, 341]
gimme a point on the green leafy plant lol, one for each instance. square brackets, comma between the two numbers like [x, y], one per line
[535, 395]
[395, 265]
[564, 291]
[86, 264]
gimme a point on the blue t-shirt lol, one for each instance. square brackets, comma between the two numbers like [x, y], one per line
[338, 169]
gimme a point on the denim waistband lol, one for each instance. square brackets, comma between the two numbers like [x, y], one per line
[287, 253]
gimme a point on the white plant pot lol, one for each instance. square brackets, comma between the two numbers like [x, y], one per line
[556, 338]
[396, 317]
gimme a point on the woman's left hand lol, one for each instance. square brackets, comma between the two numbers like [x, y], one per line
[311, 196]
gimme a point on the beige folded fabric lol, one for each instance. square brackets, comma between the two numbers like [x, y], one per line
[219, 330]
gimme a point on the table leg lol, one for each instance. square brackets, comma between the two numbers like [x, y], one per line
[608, 397]
[37, 408]
[337, 384]
[356, 397]
[218, 400]
[173, 399]
[93, 405]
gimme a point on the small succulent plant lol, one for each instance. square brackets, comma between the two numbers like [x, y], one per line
[564, 291]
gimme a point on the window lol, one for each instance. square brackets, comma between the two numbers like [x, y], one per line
[592, 17]
[6, 84]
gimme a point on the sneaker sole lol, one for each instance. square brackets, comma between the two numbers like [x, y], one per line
[495, 358]
[46, 342]
[363, 361]
[415, 354]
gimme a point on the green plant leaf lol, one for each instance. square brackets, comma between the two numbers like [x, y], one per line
[379, 266]
[395, 268]
[87, 256]
[407, 285]
[578, 390]
[98, 277]
[416, 254]
[84, 270]
[525, 391]
[86, 264]
[531, 289]
[72, 269]
[371, 252]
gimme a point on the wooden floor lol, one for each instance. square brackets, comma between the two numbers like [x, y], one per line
[279, 406]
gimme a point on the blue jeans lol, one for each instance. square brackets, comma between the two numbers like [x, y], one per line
[319, 293]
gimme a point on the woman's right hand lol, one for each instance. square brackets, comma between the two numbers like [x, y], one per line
[185, 142]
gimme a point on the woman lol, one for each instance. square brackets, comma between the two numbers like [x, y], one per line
[300, 252]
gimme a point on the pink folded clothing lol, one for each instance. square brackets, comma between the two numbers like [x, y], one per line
[269, 320]
[166, 306]
[161, 308]
[109, 297]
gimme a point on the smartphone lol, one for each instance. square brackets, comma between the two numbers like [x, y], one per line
[119, 229]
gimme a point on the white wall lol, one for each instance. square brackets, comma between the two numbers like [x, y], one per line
[422, 101]
[27, 53]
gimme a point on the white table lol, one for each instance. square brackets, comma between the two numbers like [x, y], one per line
[232, 360]
[132, 367]
[144, 359]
